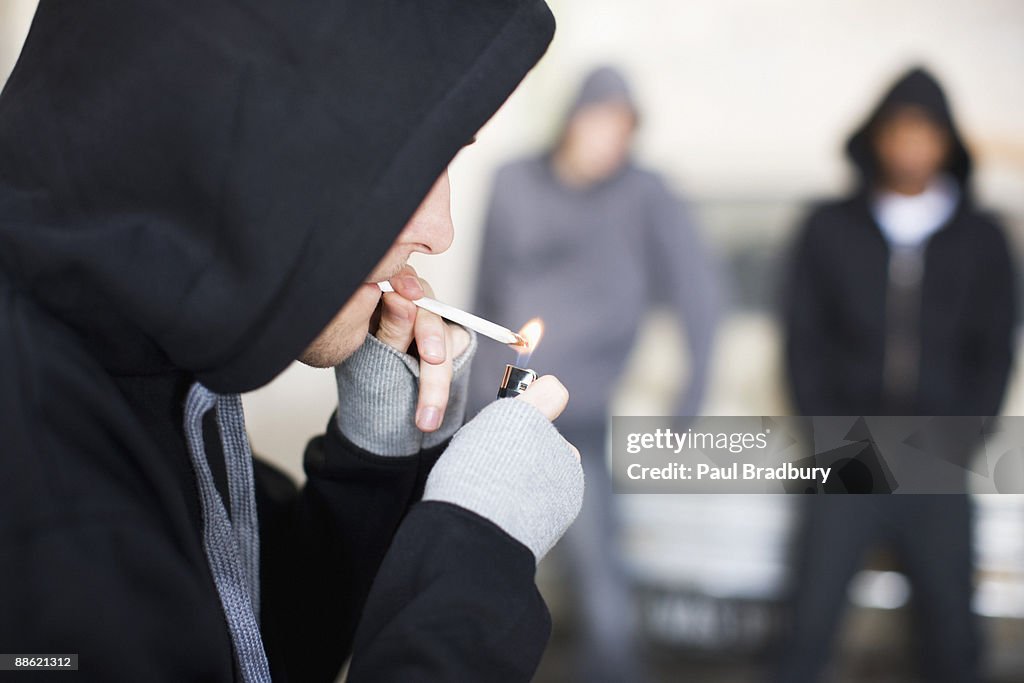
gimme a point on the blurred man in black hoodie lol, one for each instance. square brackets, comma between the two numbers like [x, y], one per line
[900, 302]
[192, 195]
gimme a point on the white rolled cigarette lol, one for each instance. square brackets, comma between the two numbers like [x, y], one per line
[473, 322]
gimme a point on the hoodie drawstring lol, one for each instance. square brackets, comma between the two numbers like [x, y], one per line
[231, 543]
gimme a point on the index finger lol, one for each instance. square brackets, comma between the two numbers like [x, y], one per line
[435, 385]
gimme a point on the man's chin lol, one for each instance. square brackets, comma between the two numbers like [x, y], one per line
[346, 332]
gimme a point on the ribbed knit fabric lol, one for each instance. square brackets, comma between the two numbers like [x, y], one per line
[231, 543]
[378, 388]
[510, 465]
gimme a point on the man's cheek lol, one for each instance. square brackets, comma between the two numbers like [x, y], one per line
[354, 319]
[346, 331]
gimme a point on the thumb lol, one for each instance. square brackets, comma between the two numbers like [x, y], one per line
[547, 395]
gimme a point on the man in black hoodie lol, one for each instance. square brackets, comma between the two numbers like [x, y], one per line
[900, 302]
[192, 195]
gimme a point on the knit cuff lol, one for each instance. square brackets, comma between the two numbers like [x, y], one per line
[378, 389]
[511, 466]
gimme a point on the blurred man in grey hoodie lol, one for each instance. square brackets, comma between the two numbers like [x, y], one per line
[587, 240]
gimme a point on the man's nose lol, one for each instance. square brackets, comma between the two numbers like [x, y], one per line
[431, 232]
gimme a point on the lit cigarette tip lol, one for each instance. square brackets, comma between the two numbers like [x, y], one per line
[531, 333]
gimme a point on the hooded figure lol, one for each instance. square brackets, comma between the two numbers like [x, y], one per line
[590, 259]
[948, 350]
[587, 240]
[900, 301]
[189, 193]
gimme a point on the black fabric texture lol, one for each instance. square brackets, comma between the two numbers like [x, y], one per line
[470, 556]
[191, 191]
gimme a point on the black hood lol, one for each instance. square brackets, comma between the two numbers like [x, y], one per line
[920, 89]
[201, 186]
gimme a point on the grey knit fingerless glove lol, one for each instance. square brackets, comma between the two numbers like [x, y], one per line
[378, 387]
[510, 465]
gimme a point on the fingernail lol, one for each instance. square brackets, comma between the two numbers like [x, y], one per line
[433, 347]
[428, 418]
[413, 285]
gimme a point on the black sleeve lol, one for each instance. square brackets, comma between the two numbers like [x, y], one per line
[989, 343]
[454, 601]
[321, 547]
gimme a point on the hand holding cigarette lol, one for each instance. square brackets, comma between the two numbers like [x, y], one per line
[437, 343]
[464, 318]
[408, 313]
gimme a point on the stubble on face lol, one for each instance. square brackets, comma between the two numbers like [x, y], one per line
[428, 231]
[348, 329]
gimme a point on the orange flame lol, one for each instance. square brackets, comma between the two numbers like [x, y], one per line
[532, 332]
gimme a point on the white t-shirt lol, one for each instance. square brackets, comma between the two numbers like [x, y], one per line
[908, 221]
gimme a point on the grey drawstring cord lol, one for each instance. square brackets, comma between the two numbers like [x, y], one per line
[231, 543]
